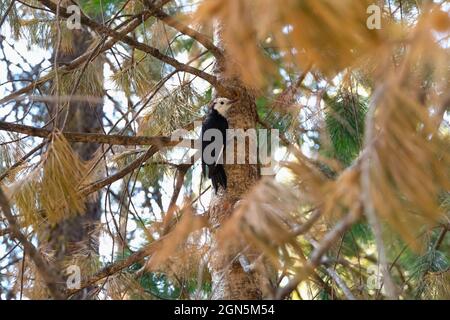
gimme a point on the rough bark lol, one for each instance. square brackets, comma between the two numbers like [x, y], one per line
[78, 234]
[229, 279]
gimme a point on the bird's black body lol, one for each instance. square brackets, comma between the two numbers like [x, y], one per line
[216, 171]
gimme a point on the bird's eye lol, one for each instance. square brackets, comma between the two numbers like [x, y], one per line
[221, 102]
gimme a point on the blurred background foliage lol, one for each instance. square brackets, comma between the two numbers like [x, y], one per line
[320, 77]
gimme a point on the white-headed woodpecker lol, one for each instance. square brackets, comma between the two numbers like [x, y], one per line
[213, 137]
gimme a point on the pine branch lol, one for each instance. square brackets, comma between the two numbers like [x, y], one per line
[285, 142]
[307, 225]
[179, 177]
[122, 173]
[316, 256]
[133, 24]
[288, 96]
[440, 238]
[29, 87]
[116, 36]
[121, 36]
[4, 232]
[333, 274]
[3, 19]
[340, 282]
[22, 160]
[120, 265]
[156, 142]
[48, 274]
[184, 29]
[111, 139]
[366, 197]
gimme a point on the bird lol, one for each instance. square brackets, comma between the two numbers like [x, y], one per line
[215, 119]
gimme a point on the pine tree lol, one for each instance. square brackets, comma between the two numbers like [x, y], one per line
[357, 209]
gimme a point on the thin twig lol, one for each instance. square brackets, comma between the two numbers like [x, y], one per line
[120, 265]
[184, 29]
[22, 160]
[316, 256]
[341, 284]
[369, 209]
[11, 4]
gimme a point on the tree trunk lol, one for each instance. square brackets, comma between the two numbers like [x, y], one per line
[78, 234]
[229, 280]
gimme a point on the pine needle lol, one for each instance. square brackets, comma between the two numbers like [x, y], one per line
[62, 173]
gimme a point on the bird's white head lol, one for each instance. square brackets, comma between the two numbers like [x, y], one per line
[222, 105]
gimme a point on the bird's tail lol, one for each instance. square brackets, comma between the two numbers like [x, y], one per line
[218, 176]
